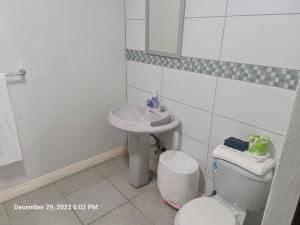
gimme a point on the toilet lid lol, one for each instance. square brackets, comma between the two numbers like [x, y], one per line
[204, 211]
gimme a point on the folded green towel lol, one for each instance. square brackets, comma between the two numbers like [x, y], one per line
[258, 144]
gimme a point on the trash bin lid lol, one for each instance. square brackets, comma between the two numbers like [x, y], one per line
[179, 162]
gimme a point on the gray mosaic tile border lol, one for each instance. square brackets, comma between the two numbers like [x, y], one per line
[265, 75]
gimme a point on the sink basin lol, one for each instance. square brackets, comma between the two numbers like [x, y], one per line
[139, 120]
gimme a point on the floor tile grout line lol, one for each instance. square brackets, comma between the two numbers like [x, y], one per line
[57, 189]
[28, 212]
[99, 216]
[54, 183]
[6, 211]
[146, 190]
[80, 189]
[118, 189]
[132, 202]
[64, 197]
[89, 223]
[129, 199]
[135, 206]
[83, 187]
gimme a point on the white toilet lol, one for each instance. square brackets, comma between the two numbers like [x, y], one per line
[238, 191]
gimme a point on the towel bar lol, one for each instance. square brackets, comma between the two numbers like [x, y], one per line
[21, 72]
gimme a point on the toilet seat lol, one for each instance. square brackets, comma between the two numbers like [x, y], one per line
[205, 211]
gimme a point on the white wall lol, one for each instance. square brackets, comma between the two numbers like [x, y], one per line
[73, 51]
[213, 108]
[286, 187]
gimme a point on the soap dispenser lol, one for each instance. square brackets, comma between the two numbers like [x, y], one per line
[153, 103]
[155, 100]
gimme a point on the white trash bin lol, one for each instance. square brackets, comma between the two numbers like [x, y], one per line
[177, 178]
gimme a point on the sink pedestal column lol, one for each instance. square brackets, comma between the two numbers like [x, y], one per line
[139, 159]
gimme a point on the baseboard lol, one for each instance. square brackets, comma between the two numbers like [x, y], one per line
[59, 174]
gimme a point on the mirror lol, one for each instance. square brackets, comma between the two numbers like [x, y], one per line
[164, 27]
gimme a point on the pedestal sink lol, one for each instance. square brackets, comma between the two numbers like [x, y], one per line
[139, 122]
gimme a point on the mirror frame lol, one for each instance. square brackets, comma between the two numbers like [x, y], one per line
[179, 35]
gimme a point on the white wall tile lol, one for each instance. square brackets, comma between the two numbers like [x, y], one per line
[195, 149]
[195, 122]
[178, 141]
[202, 37]
[138, 97]
[258, 105]
[144, 76]
[135, 9]
[135, 34]
[263, 40]
[203, 8]
[250, 7]
[223, 128]
[195, 89]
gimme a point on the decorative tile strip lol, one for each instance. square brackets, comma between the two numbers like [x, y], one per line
[265, 75]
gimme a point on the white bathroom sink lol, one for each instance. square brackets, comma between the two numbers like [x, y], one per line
[139, 120]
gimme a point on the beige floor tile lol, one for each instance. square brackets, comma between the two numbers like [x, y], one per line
[126, 214]
[102, 194]
[47, 194]
[113, 166]
[48, 217]
[3, 216]
[121, 182]
[151, 204]
[77, 181]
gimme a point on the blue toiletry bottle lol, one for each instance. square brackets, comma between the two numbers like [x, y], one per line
[155, 100]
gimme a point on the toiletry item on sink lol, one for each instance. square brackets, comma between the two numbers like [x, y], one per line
[258, 145]
[150, 103]
[154, 102]
[236, 143]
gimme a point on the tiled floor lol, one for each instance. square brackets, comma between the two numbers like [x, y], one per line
[106, 185]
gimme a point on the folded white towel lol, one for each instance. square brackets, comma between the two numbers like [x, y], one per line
[249, 155]
[10, 150]
[238, 158]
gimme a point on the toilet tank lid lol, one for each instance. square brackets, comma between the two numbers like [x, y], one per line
[243, 161]
[179, 162]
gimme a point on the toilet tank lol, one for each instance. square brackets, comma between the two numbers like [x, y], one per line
[240, 187]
